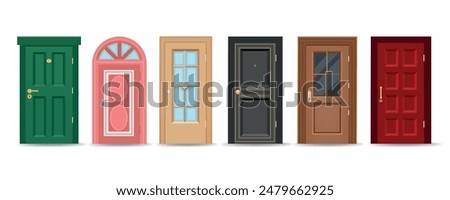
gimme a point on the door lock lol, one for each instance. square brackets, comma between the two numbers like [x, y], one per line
[29, 96]
[49, 60]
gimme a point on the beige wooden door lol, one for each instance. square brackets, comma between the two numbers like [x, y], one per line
[328, 96]
[185, 67]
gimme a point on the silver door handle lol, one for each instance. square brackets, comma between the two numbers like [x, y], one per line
[309, 96]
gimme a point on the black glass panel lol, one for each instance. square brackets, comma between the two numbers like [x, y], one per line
[333, 85]
[319, 62]
[334, 62]
[319, 85]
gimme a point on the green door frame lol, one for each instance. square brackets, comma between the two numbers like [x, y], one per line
[25, 42]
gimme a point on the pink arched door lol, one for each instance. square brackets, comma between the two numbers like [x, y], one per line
[119, 92]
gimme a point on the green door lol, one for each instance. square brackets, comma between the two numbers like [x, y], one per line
[49, 101]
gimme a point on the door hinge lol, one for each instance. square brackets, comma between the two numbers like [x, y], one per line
[276, 57]
[348, 84]
[423, 57]
[72, 90]
[72, 61]
[423, 123]
[205, 57]
[348, 112]
[348, 58]
[205, 124]
[276, 124]
[72, 120]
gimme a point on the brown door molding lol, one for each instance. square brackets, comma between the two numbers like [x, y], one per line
[187, 58]
[345, 45]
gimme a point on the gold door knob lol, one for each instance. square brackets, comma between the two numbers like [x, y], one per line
[49, 60]
[29, 96]
[31, 91]
[237, 92]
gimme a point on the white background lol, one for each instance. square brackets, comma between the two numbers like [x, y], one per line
[87, 171]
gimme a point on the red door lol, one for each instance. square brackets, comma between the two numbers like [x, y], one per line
[119, 93]
[401, 90]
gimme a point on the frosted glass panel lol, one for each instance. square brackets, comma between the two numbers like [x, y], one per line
[105, 56]
[178, 114]
[191, 58]
[191, 114]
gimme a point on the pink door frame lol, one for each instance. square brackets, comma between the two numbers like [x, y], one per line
[118, 67]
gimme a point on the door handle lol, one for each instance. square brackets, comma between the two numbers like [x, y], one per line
[237, 92]
[381, 95]
[31, 91]
[309, 96]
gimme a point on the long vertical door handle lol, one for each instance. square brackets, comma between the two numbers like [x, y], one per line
[309, 96]
[381, 95]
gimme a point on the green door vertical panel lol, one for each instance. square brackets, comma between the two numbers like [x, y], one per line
[51, 71]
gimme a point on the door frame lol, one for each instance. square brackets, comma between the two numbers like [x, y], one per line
[26, 41]
[141, 111]
[232, 84]
[162, 74]
[426, 41]
[303, 43]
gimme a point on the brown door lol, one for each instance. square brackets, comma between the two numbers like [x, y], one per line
[185, 117]
[327, 110]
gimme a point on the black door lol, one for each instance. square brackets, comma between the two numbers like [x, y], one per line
[254, 96]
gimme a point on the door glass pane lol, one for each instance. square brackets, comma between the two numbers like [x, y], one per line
[191, 114]
[178, 76]
[334, 62]
[105, 55]
[319, 62]
[113, 48]
[327, 66]
[178, 96]
[178, 114]
[191, 75]
[125, 48]
[319, 85]
[333, 87]
[185, 78]
[191, 58]
[132, 56]
[191, 97]
[178, 58]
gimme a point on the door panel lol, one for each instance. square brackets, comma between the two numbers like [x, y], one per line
[255, 103]
[48, 96]
[326, 73]
[185, 75]
[400, 91]
[119, 100]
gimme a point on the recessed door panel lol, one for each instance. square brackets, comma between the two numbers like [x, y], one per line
[185, 79]
[254, 99]
[327, 82]
[399, 90]
[48, 89]
[119, 100]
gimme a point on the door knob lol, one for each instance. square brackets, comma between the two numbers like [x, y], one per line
[31, 91]
[237, 92]
[49, 60]
[381, 95]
